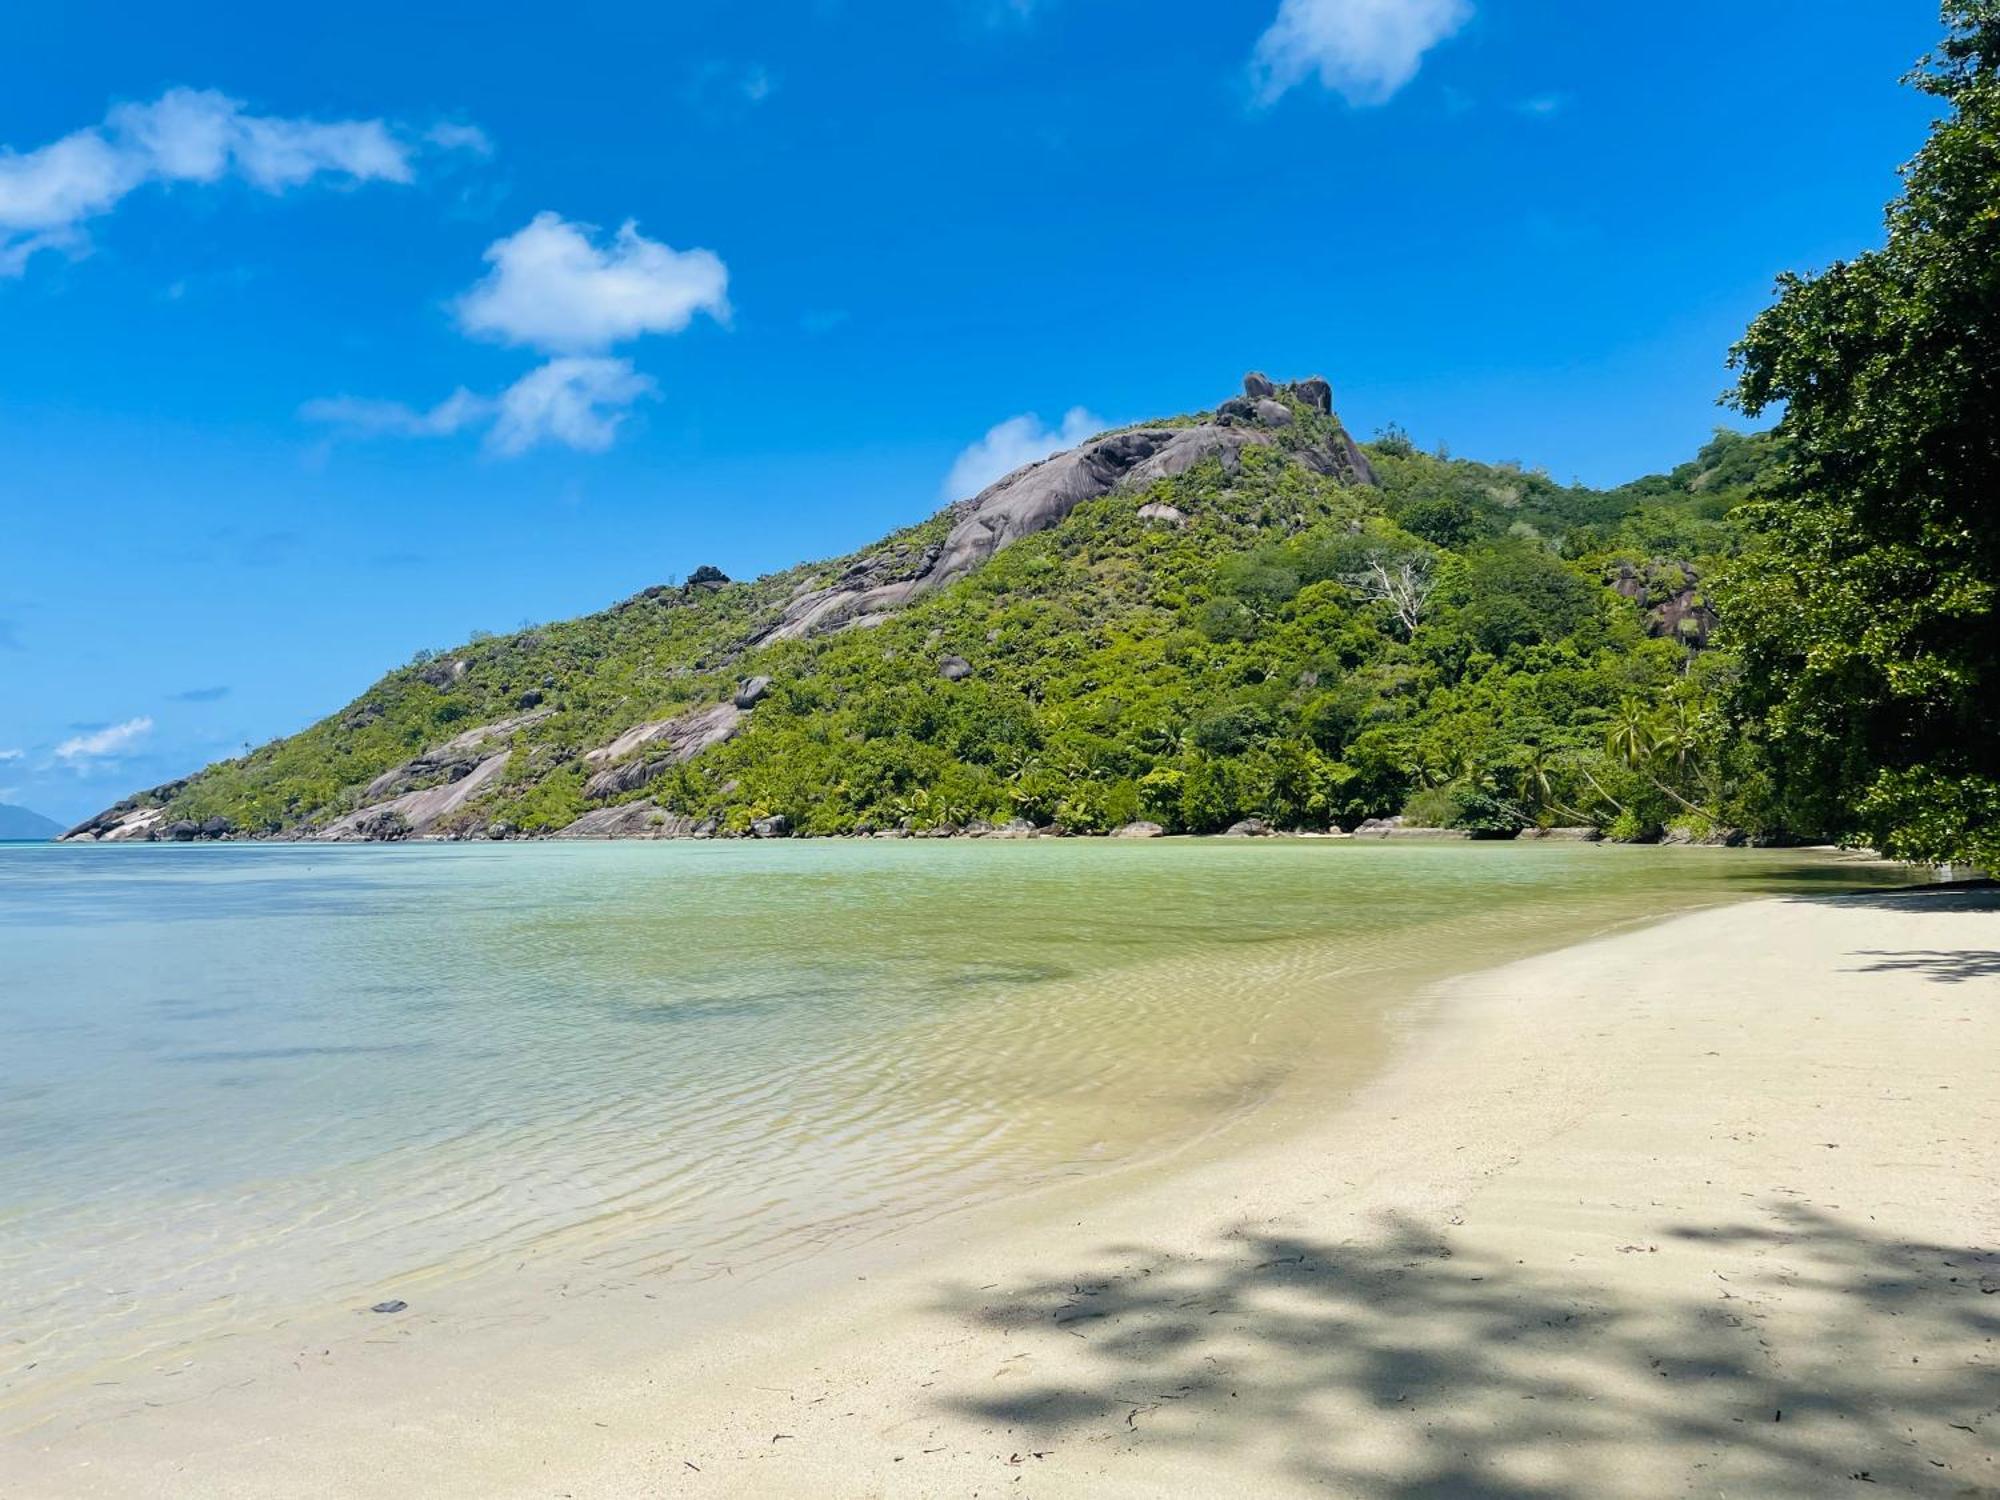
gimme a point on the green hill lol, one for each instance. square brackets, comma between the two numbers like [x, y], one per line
[1235, 615]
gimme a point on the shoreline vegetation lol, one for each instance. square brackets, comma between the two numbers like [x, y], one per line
[1527, 1256]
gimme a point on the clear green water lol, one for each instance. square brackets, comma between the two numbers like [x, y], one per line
[239, 1084]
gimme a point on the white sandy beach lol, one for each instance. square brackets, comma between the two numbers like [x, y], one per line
[1710, 1208]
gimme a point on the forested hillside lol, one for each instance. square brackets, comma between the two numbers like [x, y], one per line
[1233, 615]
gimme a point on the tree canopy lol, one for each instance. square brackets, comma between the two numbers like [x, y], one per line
[1865, 611]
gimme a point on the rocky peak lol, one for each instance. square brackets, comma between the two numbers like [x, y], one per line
[1313, 392]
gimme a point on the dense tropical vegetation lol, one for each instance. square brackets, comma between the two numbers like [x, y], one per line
[1866, 609]
[1470, 645]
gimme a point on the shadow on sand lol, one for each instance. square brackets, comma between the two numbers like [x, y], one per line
[1945, 965]
[1393, 1366]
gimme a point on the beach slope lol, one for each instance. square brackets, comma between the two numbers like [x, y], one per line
[1710, 1208]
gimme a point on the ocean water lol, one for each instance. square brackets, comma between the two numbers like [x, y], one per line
[240, 1085]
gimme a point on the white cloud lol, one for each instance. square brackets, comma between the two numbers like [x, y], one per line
[577, 401]
[186, 135]
[554, 290]
[1012, 443]
[573, 401]
[7, 755]
[453, 135]
[365, 418]
[551, 288]
[1363, 49]
[98, 744]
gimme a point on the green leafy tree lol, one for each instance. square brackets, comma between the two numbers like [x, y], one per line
[1866, 612]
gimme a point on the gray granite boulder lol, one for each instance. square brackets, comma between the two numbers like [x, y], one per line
[1315, 393]
[678, 738]
[628, 820]
[1139, 829]
[455, 759]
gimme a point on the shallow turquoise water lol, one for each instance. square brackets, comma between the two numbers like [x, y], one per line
[241, 1082]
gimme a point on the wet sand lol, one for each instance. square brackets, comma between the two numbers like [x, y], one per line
[1709, 1208]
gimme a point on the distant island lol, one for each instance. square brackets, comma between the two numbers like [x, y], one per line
[19, 824]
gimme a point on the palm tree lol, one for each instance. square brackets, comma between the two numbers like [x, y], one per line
[1629, 738]
[1535, 783]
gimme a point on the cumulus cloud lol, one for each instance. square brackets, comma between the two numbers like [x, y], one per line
[184, 136]
[576, 401]
[7, 755]
[101, 744]
[551, 288]
[1363, 49]
[572, 401]
[1012, 443]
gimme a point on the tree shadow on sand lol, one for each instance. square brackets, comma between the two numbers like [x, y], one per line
[1945, 965]
[1392, 1365]
[1944, 897]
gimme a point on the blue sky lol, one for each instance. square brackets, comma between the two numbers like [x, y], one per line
[329, 333]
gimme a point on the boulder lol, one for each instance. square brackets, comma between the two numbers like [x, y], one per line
[1273, 413]
[628, 776]
[751, 690]
[1572, 835]
[1249, 828]
[1140, 829]
[139, 825]
[1670, 593]
[1158, 511]
[455, 759]
[777, 826]
[954, 668]
[1256, 385]
[384, 825]
[181, 831]
[628, 820]
[416, 812]
[685, 734]
[1315, 393]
